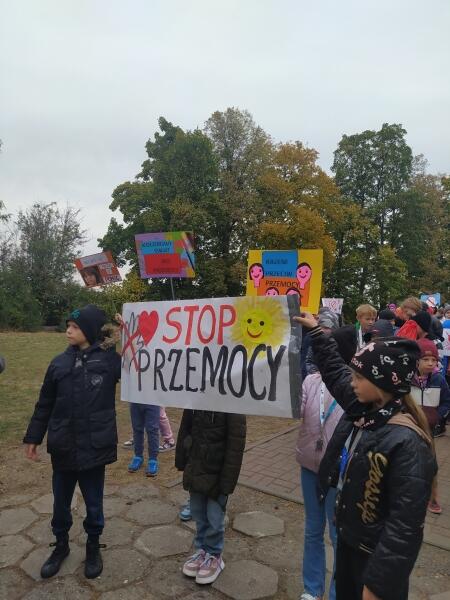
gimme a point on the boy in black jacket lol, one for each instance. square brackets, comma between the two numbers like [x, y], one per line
[77, 407]
[209, 450]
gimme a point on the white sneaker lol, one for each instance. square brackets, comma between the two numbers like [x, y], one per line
[306, 596]
[193, 563]
[210, 569]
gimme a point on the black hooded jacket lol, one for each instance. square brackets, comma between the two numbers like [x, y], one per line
[383, 503]
[77, 407]
[210, 447]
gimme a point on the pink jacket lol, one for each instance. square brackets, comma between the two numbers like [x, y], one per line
[310, 430]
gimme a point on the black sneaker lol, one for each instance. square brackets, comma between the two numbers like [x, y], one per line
[94, 563]
[56, 558]
[439, 430]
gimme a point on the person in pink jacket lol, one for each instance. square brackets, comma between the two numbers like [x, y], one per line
[320, 415]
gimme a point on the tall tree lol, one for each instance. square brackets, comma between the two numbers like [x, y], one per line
[48, 240]
[243, 151]
[174, 191]
[372, 169]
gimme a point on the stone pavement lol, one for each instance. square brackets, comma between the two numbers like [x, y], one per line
[270, 466]
[147, 544]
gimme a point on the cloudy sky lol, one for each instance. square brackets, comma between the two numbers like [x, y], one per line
[83, 82]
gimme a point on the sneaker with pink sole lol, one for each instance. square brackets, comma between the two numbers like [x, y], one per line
[210, 569]
[193, 563]
[434, 507]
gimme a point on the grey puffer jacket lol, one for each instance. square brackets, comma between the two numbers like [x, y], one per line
[210, 447]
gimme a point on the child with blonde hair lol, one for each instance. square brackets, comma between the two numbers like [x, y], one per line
[365, 316]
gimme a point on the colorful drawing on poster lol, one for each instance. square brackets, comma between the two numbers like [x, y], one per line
[286, 272]
[432, 300]
[334, 304]
[166, 254]
[98, 269]
[238, 355]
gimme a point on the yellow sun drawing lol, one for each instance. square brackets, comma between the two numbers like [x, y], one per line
[259, 320]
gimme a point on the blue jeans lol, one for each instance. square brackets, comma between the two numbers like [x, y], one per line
[209, 516]
[316, 515]
[145, 417]
[91, 484]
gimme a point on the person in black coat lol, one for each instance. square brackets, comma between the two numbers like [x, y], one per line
[210, 447]
[76, 408]
[381, 460]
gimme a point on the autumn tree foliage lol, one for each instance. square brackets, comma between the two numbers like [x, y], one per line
[381, 220]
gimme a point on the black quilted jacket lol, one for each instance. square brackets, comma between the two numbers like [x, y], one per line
[210, 447]
[77, 407]
[382, 507]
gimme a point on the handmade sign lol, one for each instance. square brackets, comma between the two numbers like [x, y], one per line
[98, 269]
[238, 355]
[432, 300]
[166, 254]
[286, 272]
[334, 304]
[446, 336]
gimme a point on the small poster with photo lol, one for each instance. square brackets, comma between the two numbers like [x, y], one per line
[98, 269]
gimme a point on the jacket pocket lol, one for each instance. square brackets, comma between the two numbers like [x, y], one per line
[214, 460]
[59, 435]
[103, 428]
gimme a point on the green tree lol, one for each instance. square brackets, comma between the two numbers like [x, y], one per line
[48, 240]
[372, 170]
[19, 309]
[175, 191]
[244, 152]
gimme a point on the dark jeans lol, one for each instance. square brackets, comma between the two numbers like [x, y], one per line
[145, 417]
[91, 484]
[350, 565]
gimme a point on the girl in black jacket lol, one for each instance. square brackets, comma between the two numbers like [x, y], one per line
[381, 460]
[210, 447]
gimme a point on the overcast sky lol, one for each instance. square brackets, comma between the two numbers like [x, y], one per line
[83, 82]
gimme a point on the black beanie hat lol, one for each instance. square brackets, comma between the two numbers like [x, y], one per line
[346, 340]
[389, 364]
[386, 314]
[90, 320]
[380, 329]
[423, 319]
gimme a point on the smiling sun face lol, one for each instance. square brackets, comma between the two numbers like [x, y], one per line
[259, 320]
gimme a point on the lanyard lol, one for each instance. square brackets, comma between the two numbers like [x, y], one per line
[324, 417]
[360, 339]
[347, 455]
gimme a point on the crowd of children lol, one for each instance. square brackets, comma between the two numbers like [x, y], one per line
[374, 396]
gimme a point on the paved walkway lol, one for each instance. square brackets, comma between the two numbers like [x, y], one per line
[270, 466]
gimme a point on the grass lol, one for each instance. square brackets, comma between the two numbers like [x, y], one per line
[28, 356]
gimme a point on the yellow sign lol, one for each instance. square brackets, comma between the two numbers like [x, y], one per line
[284, 272]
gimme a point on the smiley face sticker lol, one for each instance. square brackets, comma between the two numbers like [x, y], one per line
[258, 321]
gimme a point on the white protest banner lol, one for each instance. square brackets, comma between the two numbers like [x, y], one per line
[334, 304]
[446, 342]
[238, 355]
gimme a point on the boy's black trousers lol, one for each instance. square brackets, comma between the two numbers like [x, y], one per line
[350, 565]
[91, 484]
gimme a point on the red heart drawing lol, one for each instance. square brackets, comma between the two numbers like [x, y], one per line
[147, 325]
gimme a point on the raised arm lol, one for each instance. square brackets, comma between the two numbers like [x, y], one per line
[335, 373]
